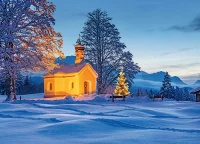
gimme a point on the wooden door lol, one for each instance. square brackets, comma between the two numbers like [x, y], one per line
[86, 88]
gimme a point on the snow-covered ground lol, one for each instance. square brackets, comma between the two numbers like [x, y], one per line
[98, 121]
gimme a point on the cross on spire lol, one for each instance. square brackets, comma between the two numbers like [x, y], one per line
[79, 40]
[122, 68]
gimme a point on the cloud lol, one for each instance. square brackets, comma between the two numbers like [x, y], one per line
[181, 66]
[177, 51]
[193, 26]
[191, 77]
[179, 28]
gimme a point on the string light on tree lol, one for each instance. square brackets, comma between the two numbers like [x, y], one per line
[122, 88]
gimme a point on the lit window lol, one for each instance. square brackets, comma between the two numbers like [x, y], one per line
[72, 85]
[50, 86]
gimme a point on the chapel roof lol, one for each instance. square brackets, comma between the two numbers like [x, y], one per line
[67, 68]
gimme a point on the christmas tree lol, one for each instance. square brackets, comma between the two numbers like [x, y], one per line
[122, 86]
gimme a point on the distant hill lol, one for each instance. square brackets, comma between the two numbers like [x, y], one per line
[158, 77]
[197, 82]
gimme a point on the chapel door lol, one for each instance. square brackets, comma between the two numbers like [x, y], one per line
[86, 88]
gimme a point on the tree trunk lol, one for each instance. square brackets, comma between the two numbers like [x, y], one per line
[99, 85]
[12, 95]
[14, 89]
[100, 79]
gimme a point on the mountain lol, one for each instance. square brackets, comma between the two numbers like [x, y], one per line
[197, 82]
[177, 80]
[158, 77]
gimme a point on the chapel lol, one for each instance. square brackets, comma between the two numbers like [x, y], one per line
[75, 80]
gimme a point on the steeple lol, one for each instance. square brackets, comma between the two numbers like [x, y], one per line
[79, 50]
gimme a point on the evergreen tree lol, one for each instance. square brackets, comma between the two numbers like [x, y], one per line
[151, 93]
[178, 94]
[146, 92]
[5, 87]
[182, 94]
[173, 93]
[138, 92]
[167, 90]
[5, 83]
[19, 83]
[27, 81]
[27, 86]
[122, 85]
[186, 95]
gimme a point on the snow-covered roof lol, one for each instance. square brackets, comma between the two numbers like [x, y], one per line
[194, 91]
[70, 69]
[66, 68]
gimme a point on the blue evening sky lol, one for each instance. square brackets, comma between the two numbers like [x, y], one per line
[163, 35]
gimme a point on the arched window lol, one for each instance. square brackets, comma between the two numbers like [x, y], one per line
[72, 85]
[50, 86]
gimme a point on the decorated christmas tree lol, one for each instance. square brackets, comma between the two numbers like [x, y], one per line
[122, 86]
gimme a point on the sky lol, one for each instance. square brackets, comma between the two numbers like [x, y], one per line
[162, 35]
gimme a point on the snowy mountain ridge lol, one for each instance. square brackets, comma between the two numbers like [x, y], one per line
[158, 77]
[197, 82]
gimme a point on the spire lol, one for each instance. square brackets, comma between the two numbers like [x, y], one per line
[78, 40]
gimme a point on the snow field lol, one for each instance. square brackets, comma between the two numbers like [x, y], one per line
[137, 120]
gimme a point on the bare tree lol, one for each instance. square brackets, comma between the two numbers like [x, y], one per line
[105, 51]
[28, 41]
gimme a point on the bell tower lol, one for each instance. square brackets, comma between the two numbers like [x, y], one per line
[79, 50]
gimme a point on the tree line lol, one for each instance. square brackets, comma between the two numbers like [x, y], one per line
[168, 91]
[24, 85]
